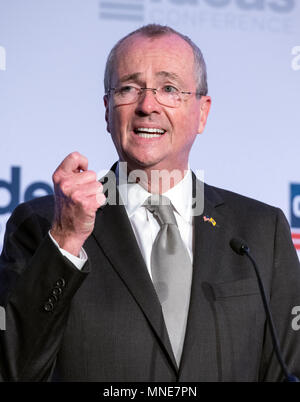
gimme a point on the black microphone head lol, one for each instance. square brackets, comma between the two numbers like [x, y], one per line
[239, 246]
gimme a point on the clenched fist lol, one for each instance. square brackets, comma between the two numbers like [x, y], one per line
[78, 195]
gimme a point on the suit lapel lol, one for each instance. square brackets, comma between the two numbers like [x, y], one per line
[115, 236]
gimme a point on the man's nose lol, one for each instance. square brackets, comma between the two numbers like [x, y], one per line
[147, 102]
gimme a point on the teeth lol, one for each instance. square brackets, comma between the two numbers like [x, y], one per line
[150, 130]
[144, 135]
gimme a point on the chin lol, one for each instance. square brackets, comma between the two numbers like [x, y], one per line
[143, 164]
[136, 161]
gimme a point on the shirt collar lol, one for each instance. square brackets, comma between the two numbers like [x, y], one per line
[134, 196]
[181, 196]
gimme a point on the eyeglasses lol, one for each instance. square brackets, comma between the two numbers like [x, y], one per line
[167, 95]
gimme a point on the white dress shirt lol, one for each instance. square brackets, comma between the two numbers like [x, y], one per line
[77, 261]
[144, 225]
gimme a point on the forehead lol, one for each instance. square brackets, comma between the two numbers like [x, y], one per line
[151, 56]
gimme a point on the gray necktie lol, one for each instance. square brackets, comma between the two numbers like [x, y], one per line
[171, 269]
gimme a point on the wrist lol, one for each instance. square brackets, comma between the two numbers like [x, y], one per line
[68, 241]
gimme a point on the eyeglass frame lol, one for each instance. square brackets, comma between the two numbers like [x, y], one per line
[141, 89]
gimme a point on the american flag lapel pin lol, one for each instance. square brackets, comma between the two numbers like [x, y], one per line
[209, 219]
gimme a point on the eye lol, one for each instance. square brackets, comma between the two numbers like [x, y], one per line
[170, 89]
[126, 89]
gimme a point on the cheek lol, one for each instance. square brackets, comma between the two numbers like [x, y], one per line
[186, 130]
[115, 123]
[191, 122]
[119, 120]
[185, 126]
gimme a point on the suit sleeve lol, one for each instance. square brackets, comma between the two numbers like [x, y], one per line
[284, 296]
[37, 284]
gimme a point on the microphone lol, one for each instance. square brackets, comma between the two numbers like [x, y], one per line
[241, 248]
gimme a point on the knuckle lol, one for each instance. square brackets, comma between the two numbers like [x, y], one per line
[94, 175]
[55, 177]
[90, 175]
[76, 196]
[75, 155]
[84, 204]
[100, 199]
[65, 186]
[99, 193]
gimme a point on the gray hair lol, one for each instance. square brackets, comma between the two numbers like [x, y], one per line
[156, 30]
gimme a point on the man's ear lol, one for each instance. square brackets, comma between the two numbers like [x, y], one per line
[106, 105]
[205, 103]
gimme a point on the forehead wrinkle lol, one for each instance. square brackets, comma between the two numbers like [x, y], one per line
[137, 76]
[167, 74]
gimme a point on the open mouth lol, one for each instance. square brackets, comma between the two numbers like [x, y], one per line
[146, 132]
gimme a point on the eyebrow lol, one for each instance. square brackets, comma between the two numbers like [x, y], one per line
[167, 74]
[130, 77]
[164, 74]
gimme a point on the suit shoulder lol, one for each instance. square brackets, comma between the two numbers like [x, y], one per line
[239, 202]
[41, 207]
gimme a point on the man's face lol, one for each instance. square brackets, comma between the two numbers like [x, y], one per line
[153, 63]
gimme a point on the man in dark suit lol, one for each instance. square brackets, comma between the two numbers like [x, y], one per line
[78, 270]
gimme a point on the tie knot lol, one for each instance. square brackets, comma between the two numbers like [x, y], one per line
[161, 206]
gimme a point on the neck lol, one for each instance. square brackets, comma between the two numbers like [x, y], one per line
[155, 181]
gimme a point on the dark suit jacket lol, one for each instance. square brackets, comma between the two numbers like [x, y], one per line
[104, 323]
